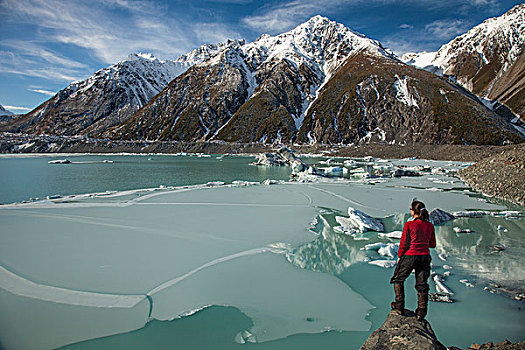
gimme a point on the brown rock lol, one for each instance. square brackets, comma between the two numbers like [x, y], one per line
[403, 332]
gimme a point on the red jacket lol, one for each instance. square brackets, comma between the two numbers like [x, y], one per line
[418, 236]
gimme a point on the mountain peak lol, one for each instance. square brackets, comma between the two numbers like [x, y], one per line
[140, 56]
[4, 112]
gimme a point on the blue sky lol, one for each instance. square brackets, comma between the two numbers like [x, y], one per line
[46, 44]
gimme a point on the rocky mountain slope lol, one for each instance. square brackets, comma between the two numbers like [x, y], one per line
[5, 112]
[487, 60]
[111, 95]
[320, 82]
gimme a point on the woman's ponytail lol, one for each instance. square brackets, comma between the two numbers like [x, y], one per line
[420, 210]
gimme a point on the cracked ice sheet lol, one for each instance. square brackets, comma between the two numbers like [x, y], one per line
[387, 198]
[134, 246]
[107, 247]
[279, 297]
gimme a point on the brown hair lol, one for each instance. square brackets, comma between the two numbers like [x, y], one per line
[419, 209]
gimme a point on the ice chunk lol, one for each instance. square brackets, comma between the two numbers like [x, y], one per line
[466, 283]
[383, 263]
[440, 286]
[438, 216]
[384, 249]
[461, 230]
[215, 183]
[245, 336]
[440, 297]
[471, 214]
[59, 161]
[359, 222]
[393, 234]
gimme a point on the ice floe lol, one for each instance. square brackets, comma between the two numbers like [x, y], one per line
[383, 263]
[358, 222]
[393, 234]
[461, 230]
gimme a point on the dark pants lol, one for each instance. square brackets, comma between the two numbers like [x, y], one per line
[419, 263]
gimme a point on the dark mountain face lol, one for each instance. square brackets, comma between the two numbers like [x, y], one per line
[369, 99]
[375, 99]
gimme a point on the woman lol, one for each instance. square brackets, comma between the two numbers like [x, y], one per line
[414, 254]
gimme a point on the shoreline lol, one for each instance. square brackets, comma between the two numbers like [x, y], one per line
[45, 144]
[499, 170]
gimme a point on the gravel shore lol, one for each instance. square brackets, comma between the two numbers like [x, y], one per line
[501, 175]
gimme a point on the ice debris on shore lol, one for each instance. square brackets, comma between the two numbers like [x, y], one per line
[358, 222]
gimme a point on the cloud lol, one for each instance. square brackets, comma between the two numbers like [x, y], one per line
[15, 108]
[31, 59]
[287, 15]
[112, 29]
[447, 29]
[44, 92]
[406, 26]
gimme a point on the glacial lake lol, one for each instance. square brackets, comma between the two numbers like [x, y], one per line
[188, 252]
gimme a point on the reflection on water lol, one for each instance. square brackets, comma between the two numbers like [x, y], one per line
[487, 253]
[331, 252]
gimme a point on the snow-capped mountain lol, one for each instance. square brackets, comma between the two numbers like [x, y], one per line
[5, 112]
[320, 82]
[112, 94]
[289, 68]
[481, 57]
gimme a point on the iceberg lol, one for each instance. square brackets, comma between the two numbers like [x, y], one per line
[438, 216]
[384, 249]
[359, 222]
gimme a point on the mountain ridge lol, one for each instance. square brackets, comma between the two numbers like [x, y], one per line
[285, 88]
[481, 57]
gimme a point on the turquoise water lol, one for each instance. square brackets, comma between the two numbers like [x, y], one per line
[25, 178]
[132, 242]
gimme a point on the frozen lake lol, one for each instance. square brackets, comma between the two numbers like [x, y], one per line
[235, 263]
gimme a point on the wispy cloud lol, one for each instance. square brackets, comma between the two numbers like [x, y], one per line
[111, 29]
[44, 92]
[16, 108]
[406, 26]
[30, 59]
[286, 15]
[446, 29]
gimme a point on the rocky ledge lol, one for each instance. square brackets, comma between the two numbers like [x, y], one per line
[501, 175]
[406, 332]
[403, 332]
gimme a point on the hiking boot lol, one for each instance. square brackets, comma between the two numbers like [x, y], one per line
[398, 306]
[422, 305]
